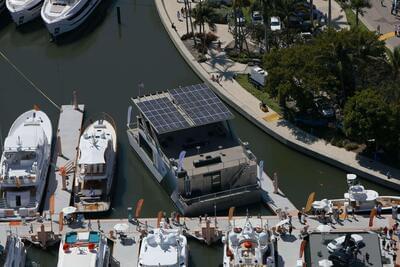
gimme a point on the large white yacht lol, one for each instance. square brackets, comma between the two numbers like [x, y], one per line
[62, 16]
[164, 247]
[357, 199]
[185, 139]
[95, 168]
[24, 165]
[15, 252]
[23, 11]
[84, 249]
[250, 246]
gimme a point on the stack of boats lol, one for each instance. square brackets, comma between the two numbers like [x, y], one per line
[59, 15]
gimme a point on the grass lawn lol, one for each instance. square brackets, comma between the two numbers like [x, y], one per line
[260, 94]
[351, 19]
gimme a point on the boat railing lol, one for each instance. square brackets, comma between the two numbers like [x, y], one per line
[217, 166]
[246, 150]
[231, 191]
[17, 181]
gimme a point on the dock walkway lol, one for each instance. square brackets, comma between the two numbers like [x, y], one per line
[126, 253]
[65, 156]
[275, 201]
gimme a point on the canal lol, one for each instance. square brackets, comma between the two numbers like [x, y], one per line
[104, 63]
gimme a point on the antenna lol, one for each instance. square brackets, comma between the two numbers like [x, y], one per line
[140, 87]
[128, 117]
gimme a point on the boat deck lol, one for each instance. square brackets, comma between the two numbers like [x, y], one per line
[68, 134]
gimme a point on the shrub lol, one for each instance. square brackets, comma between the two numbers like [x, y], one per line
[351, 146]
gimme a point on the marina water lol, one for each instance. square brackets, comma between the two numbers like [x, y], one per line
[104, 62]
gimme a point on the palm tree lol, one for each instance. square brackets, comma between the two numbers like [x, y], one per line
[202, 15]
[357, 6]
[394, 61]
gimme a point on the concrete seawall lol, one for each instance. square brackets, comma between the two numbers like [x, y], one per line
[337, 157]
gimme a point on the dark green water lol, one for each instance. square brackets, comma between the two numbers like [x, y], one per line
[105, 63]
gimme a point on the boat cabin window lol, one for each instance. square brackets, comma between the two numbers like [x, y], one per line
[215, 179]
[18, 201]
[143, 143]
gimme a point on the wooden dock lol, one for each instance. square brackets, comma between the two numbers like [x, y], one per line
[64, 158]
[276, 201]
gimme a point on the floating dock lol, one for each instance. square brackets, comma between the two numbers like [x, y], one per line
[276, 201]
[64, 158]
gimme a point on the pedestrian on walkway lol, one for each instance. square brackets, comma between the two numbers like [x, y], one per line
[183, 11]
[382, 4]
[367, 257]
[392, 9]
[290, 229]
[173, 26]
[299, 217]
[178, 15]
[379, 211]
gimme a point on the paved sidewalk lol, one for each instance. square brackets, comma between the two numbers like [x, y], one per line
[339, 20]
[379, 15]
[248, 106]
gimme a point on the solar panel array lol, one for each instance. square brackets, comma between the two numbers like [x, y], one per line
[162, 115]
[201, 104]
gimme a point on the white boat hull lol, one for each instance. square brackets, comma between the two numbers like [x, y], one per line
[29, 212]
[26, 14]
[62, 25]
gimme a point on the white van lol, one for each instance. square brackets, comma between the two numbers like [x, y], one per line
[258, 76]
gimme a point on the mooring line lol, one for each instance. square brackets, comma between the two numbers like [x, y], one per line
[29, 81]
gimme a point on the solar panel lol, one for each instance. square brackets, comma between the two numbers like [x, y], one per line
[162, 115]
[201, 104]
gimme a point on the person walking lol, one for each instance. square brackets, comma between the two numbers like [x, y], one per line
[379, 211]
[299, 217]
[367, 257]
[178, 15]
[290, 229]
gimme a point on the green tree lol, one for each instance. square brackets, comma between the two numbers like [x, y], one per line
[367, 116]
[394, 61]
[358, 6]
[203, 14]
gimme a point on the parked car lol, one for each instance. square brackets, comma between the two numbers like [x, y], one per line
[257, 18]
[337, 243]
[324, 108]
[275, 24]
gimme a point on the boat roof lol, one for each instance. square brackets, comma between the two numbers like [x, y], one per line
[160, 248]
[26, 137]
[182, 108]
[92, 148]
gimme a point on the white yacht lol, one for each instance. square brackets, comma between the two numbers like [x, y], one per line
[164, 247]
[62, 16]
[95, 168]
[250, 246]
[24, 165]
[357, 198]
[15, 252]
[185, 139]
[84, 249]
[23, 11]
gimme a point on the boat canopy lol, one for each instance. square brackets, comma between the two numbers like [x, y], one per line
[25, 140]
[182, 108]
[92, 149]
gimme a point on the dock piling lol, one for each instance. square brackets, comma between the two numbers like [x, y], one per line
[119, 15]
